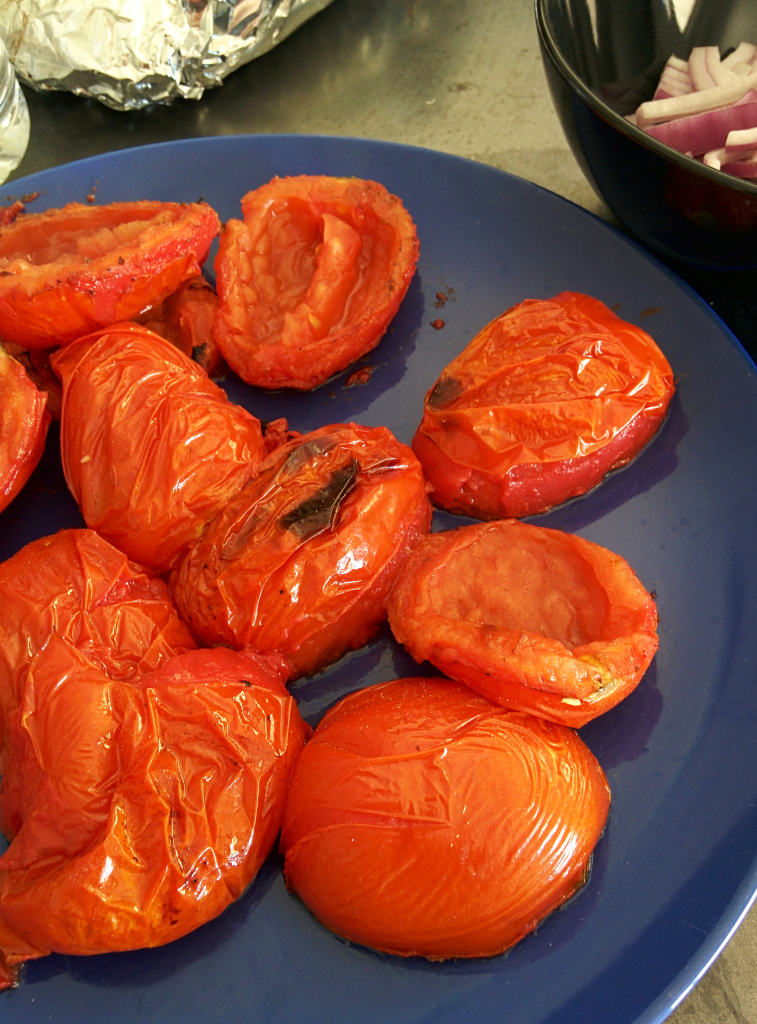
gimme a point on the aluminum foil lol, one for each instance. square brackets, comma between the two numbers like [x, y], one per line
[128, 53]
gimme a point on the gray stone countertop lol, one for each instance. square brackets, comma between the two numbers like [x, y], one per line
[461, 76]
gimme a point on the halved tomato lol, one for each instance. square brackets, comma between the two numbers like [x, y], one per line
[142, 809]
[23, 427]
[424, 820]
[152, 449]
[535, 619]
[186, 320]
[540, 406]
[302, 560]
[66, 272]
[311, 277]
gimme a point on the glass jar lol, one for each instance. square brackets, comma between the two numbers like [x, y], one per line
[14, 117]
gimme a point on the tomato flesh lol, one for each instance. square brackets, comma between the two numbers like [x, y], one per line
[423, 820]
[535, 619]
[540, 406]
[302, 560]
[69, 271]
[311, 277]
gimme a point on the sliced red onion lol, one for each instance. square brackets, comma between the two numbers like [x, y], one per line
[715, 158]
[741, 168]
[656, 112]
[743, 141]
[744, 53]
[701, 133]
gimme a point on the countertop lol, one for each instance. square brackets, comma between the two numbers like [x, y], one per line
[461, 76]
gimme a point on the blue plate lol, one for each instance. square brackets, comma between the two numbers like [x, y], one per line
[677, 867]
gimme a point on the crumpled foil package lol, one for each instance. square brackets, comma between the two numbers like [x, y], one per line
[128, 53]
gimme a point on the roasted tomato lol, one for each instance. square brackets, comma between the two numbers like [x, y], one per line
[66, 272]
[78, 586]
[152, 449]
[424, 820]
[311, 277]
[23, 427]
[186, 320]
[535, 619]
[545, 400]
[138, 811]
[301, 561]
[36, 362]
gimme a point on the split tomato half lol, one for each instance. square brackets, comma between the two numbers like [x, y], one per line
[23, 427]
[310, 279]
[152, 449]
[302, 560]
[139, 810]
[535, 619]
[423, 820]
[541, 405]
[66, 272]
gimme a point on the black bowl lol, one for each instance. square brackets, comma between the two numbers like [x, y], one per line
[603, 58]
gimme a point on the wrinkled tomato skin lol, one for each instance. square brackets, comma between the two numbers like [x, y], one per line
[23, 427]
[310, 279]
[535, 619]
[137, 841]
[423, 820]
[540, 406]
[66, 272]
[151, 448]
[302, 560]
[78, 586]
[186, 320]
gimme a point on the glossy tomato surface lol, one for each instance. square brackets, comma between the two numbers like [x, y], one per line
[424, 820]
[23, 427]
[302, 560]
[186, 320]
[539, 407]
[536, 619]
[140, 810]
[77, 586]
[151, 448]
[68, 271]
[311, 277]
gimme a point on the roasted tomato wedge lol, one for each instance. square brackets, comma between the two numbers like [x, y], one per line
[535, 619]
[545, 400]
[424, 820]
[152, 449]
[36, 362]
[186, 320]
[64, 273]
[23, 427]
[301, 561]
[311, 277]
[136, 841]
[78, 586]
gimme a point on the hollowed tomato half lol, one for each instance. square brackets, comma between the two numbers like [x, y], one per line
[311, 277]
[540, 406]
[151, 448]
[140, 809]
[302, 560]
[423, 820]
[23, 427]
[66, 272]
[535, 619]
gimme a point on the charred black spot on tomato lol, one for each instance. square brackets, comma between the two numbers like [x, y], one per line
[444, 392]
[198, 352]
[319, 512]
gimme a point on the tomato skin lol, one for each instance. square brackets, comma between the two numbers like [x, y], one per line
[540, 406]
[282, 572]
[78, 586]
[23, 427]
[423, 820]
[151, 448]
[186, 320]
[69, 271]
[310, 279]
[137, 841]
[535, 619]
